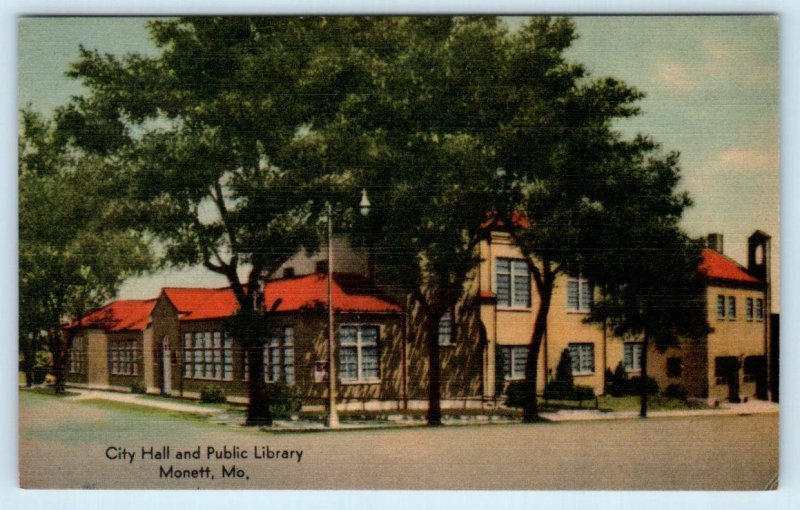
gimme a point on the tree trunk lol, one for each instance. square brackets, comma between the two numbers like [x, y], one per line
[258, 413]
[530, 407]
[434, 415]
[58, 350]
[643, 383]
[29, 359]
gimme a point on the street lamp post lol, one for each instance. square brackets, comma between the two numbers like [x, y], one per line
[333, 414]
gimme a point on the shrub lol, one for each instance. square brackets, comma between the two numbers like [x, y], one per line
[676, 391]
[212, 395]
[284, 400]
[617, 381]
[583, 393]
[138, 387]
[515, 394]
[635, 382]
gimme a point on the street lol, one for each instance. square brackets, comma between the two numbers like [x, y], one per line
[66, 444]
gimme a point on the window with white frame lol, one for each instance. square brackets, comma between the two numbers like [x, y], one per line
[633, 356]
[446, 329]
[207, 356]
[513, 282]
[514, 359]
[122, 357]
[748, 309]
[279, 356]
[579, 295]
[720, 307]
[358, 353]
[582, 355]
[77, 356]
[759, 309]
[731, 308]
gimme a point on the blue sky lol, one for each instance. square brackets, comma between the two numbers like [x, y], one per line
[712, 85]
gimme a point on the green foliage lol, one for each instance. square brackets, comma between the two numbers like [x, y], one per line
[138, 387]
[285, 400]
[75, 249]
[515, 394]
[618, 384]
[564, 369]
[212, 395]
[676, 391]
[581, 392]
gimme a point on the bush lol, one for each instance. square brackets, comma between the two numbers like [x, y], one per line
[284, 401]
[558, 390]
[515, 394]
[635, 382]
[39, 375]
[617, 381]
[212, 395]
[583, 393]
[138, 387]
[676, 391]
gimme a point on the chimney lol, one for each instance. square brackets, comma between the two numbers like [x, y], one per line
[715, 242]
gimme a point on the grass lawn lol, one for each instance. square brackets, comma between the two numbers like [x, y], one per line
[48, 390]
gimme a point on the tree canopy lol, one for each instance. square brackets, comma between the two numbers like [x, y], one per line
[74, 252]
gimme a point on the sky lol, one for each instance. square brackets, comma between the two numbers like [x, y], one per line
[712, 94]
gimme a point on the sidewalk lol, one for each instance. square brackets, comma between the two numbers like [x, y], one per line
[228, 417]
[725, 409]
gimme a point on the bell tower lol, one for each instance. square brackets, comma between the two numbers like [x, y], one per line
[758, 255]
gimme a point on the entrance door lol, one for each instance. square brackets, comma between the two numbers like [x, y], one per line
[166, 367]
[727, 368]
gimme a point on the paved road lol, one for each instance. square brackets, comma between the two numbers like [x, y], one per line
[63, 444]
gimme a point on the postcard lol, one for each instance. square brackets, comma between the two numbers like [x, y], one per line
[399, 252]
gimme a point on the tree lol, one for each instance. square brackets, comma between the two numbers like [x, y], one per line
[570, 171]
[652, 289]
[218, 139]
[423, 161]
[73, 251]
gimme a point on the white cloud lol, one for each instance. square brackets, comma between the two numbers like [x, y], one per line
[676, 76]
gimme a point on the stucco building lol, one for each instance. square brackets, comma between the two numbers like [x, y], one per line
[177, 343]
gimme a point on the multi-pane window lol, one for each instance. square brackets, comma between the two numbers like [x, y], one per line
[513, 282]
[582, 358]
[122, 357]
[446, 329]
[514, 360]
[731, 308]
[579, 295]
[358, 353]
[279, 356]
[748, 309]
[720, 307]
[77, 356]
[207, 356]
[674, 367]
[760, 309]
[633, 356]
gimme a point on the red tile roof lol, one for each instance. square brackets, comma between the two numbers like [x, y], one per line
[351, 293]
[116, 316]
[717, 265]
[201, 303]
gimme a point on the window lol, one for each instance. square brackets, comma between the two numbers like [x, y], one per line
[674, 367]
[513, 281]
[720, 307]
[207, 356]
[633, 356]
[514, 360]
[122, 357]
[731, 308]
[582, 358]
[446, 329]
[77, 356]
[748, 309]
[358, 353]
[279, 356]
[760, 309]
[579, 295]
